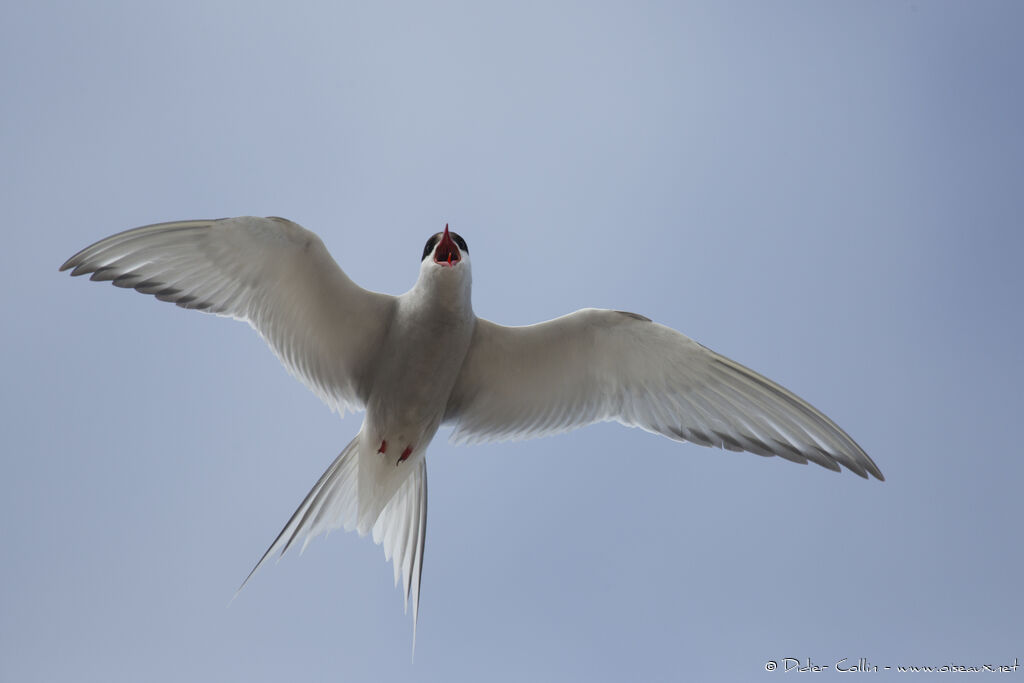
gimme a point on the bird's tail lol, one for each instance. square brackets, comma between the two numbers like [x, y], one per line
[399, 527]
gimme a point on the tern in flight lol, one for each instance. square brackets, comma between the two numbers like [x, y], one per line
[417, 361]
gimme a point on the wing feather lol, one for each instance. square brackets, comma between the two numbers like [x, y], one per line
[596, 365]
[270, 272]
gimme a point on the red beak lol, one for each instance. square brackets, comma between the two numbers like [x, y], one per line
[447, 252]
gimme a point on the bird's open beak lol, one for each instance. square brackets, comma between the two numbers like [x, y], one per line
[447, 253]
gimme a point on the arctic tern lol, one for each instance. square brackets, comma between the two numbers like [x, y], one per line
[417, 361]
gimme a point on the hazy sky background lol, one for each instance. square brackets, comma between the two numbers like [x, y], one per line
[830, 193]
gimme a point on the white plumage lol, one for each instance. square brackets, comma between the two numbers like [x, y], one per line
[419, 360]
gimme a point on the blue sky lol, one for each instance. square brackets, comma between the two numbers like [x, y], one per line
[830, 193]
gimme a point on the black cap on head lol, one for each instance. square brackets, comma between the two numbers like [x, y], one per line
[428, 249]
[431, 243]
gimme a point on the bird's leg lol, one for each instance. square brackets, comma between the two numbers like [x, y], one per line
[383, 447]
[405, 456]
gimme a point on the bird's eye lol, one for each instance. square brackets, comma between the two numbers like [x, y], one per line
[431, 243]
[459, 241]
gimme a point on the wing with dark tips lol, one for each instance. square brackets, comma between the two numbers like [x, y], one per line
[595, 365]
[270, 272]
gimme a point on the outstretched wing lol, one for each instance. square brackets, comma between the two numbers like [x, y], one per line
[270, 272]
[595, 365]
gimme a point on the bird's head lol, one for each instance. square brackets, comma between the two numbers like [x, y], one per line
[446, 256]
[445, 277]
[446, 249]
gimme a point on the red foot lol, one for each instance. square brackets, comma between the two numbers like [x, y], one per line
[405, 455]
[383, 447]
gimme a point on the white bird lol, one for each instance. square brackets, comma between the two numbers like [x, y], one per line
[417, 361]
